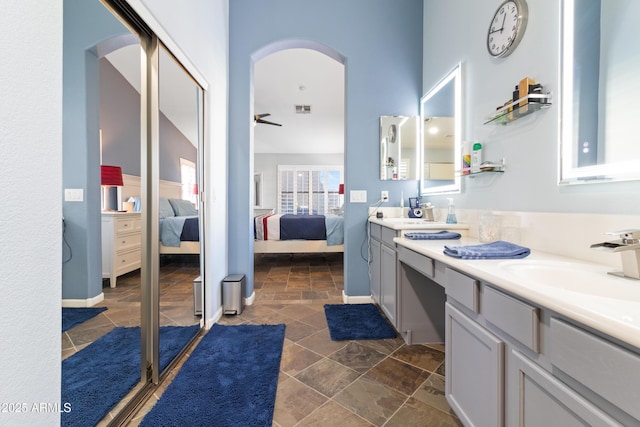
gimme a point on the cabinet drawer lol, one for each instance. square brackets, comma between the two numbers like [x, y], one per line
[462, 288]
[609, 370]
[127, 261]
[416, 261]
[125, 225]
[375, 231]
[126, 242]
[515, 317]
[388, 234]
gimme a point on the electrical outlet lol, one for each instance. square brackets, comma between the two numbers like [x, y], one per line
[384, 196]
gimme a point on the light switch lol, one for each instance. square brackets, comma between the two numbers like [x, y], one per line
[73, 195]
[358, 196]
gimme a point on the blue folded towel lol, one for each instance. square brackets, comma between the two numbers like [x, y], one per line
[494, 250]
[441, 235]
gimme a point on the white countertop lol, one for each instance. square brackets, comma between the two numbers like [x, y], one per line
[579, 290]
[416, 224]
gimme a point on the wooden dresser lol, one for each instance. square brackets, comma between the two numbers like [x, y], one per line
[121, 237]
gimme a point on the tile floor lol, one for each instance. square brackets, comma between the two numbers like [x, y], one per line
[324, 382]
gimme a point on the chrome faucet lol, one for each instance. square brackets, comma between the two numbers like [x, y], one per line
[628, 244]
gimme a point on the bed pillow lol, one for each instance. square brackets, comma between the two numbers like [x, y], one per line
[183, 207]
[166, 210]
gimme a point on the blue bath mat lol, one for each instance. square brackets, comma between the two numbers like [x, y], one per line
[230, 379]
[74, 316]
[357, 322]
[97, 377]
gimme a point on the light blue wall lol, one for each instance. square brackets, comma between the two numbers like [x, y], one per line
[381, 42]
[86, 23]
[530, 145]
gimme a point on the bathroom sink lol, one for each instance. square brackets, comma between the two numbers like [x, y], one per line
[572, 277]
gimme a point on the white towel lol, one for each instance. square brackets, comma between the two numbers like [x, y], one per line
[273, 227]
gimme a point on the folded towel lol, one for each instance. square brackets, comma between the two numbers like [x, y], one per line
[441, 235]
[494, 250]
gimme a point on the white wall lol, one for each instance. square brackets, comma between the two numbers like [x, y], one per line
[30, 228]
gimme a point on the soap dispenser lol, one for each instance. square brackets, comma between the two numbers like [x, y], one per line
[451, 212]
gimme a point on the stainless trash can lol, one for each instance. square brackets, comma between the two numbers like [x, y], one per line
[233, 294]
[197, 296]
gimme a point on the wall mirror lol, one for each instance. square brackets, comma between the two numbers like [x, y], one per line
[441, 130]
[399, 147]
[599, 63]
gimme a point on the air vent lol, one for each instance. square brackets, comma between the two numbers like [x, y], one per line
[303, 109]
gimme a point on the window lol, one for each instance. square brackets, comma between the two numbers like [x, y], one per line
[188, 180]
[304, 190]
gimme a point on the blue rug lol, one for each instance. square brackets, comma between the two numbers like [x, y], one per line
[74, 316]
[97, 377]
[357, 322]
[230, 379]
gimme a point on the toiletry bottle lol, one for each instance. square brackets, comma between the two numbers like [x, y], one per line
[451, 212]
[476, 157]
[466, 157]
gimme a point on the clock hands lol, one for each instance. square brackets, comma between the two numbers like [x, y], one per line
[501, 28]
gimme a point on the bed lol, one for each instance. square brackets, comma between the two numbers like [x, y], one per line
[179, 227]
[278, 233]
[178, 218]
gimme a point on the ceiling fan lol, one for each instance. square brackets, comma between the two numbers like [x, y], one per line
[258, 118]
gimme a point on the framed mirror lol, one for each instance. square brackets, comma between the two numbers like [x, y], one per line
[441, 130]
[599, 63]
[399, 136]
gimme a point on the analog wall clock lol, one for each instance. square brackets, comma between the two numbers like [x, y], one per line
[391, 133]
[507, 27]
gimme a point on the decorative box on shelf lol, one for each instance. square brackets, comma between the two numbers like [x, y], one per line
[519, 108]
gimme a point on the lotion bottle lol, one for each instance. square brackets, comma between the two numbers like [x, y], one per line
[476, 157]
[451, 212]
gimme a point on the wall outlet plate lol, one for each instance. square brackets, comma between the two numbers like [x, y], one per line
[384, 196]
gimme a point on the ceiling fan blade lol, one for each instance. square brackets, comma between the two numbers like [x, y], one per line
[267, 122]
[258, 118]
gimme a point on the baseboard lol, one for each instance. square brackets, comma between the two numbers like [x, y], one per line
[212, 320]
[251, 299]
[356, 300]
[89, 302]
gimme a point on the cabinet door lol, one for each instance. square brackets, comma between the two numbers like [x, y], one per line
[541, 400]
[388, 283]
[474, 371]
[374, 269]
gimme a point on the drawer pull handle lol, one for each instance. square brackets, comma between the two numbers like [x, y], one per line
[124, 260]
[124, 241]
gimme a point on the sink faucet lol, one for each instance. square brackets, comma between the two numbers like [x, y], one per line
[628, 244]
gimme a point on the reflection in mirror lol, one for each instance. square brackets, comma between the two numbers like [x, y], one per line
[398, 147]
[441, 128]
[600, 59]
[180, 280]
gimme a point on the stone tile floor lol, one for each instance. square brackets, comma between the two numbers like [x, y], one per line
[332, 383]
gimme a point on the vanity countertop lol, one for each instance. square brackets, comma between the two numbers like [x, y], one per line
[580, 290]
[416, 224]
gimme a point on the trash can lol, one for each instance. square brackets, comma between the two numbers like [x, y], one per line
[197, 296]
[233, 294]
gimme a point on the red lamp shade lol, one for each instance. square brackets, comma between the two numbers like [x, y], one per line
[111, 175]
[341, 189]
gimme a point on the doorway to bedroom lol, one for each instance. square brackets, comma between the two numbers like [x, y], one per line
[298, 164]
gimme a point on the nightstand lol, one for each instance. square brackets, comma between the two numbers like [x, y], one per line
[121, 237]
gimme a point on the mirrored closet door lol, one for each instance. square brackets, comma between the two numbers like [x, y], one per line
[143, 122]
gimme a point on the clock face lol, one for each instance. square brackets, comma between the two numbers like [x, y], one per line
[506, 28]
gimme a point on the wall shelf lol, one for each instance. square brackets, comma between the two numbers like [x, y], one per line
[512, 112]
[494, 168]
